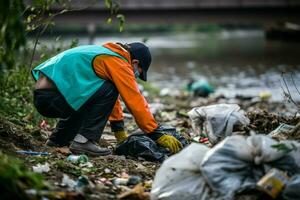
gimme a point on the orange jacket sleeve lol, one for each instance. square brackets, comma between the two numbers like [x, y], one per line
[117, 113]
[121, 74]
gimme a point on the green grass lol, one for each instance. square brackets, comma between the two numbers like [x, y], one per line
[15, 178]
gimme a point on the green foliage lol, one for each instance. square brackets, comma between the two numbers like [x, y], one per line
[12, 34]
[16, 98]
[15, 178]
[16, 88]
[114, 6]
[68, 167]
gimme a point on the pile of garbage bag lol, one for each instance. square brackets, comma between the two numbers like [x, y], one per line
[234, 165]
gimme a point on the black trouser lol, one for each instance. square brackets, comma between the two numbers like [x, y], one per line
[88, 121]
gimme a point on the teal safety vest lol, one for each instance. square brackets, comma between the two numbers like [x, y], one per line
[73, 73]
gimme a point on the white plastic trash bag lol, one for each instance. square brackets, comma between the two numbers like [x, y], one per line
[238, 162]
[292, 189]
[217, 121]
[179, 177]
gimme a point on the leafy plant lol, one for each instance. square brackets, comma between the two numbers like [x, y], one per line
[15, 178]
[114, 6]
[12, 32]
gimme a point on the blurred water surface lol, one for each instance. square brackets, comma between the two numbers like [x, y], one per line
[236, 62]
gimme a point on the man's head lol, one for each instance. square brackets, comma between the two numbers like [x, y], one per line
[139, 51]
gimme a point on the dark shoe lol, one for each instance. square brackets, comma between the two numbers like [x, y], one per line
[89, 148]
[50, 143]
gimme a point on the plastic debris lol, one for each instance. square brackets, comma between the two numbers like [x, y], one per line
[82, 183]
[107, 171]
[217, 121]
[44, 125]
[138, 145]
[281, 129]
[200, 88]
[39, 168]
[132, 180]
[170, 92]
[273, 182]
[68, 182]
[265, 95]
[87, 165]
[77, 159]
[33, 153]
[156, 107]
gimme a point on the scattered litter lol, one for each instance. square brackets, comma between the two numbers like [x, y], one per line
[273, 182]
[138, 145]
[33, 153]
[87, 165]
[39, 168]
[77, 159]
[45, 126]
[200, 88]
[107, 171]
[170, 92]
[265, 96]
[120, 181]
[148, 184]
[68, 182]
[132, 180]
[200, 139]
[156, 107]
[281, 129]
[81, 183]
[217, 121]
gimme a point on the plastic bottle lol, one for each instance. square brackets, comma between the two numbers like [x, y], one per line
[78, 159]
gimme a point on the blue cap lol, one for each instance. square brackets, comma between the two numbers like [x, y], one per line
[140, 52]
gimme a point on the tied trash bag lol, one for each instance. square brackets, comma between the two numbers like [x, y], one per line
[237, 163]
[138, 145]
[217, 121]
[179, 177]
[291, 190]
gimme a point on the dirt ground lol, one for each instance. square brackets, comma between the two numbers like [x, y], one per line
[264, 117]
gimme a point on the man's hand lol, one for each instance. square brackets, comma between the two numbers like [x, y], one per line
[120, 136]
[169, 142]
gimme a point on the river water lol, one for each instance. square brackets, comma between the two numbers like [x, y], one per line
[235, 62]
